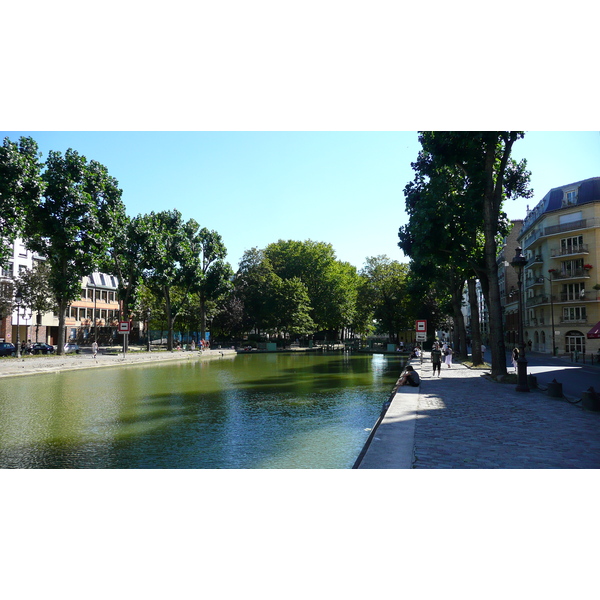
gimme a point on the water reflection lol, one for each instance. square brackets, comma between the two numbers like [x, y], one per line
[259, 411]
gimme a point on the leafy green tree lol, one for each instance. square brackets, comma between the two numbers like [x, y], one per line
[124, 258]
[72, 224]
[455, 206]
[20, 188]
[292, 307]
[171, 261]
[385, 291]
[331, 285]
[253, 285]
[215, 276]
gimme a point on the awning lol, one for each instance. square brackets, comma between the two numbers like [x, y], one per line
[594, 332]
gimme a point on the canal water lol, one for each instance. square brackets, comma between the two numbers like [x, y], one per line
[288, 411]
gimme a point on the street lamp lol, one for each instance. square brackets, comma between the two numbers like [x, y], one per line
[518, 263]
[18, 300]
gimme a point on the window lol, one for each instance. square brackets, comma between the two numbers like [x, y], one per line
[573, 291]
[570, 198]
[572, 268]
[571, 245]
[574, 313]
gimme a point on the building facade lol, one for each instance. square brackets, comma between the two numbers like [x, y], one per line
[508, 283]
[94, 316]
[561, 239]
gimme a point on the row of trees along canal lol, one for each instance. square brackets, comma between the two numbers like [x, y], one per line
[70, 211]
[456, 223]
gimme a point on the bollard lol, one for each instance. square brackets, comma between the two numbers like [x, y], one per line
[590, 400]
[532, 381]
[555, 389]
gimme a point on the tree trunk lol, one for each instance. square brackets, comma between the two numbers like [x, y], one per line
[202, 316]
[62, 314]
[475, 327]
[491, 208]
[170, 320]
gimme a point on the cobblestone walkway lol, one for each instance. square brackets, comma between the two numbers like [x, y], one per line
[465, 421]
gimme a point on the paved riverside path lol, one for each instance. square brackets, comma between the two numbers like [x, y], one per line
[462, 420]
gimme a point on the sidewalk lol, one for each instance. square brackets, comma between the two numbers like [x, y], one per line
[463, 420]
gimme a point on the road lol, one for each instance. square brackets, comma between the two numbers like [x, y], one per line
[575, 377]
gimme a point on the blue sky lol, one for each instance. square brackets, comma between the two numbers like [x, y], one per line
[344, 188]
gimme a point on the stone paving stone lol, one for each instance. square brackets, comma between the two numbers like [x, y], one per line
[466, 421]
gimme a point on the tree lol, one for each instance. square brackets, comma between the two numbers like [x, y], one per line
[215, 276]
[461, 180]
[124, 258]
[253, 285]
[171, 261]
[20, 188]
[72, 224]
[331, 285]
[292, 307]
[385, 291]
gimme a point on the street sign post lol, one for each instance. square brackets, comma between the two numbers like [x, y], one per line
[125, 328]
[421, 326]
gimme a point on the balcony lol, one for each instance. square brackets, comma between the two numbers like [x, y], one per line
[582, 224]
[589, 296]
[569, 251]
[533, 281]
[536, 300]
[538, 259]
[573, 274]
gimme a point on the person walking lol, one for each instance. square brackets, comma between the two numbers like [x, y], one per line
[436, 358]
[515, 357]
[449, 356]
[94, 349]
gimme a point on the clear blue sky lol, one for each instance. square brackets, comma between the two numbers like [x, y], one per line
[344, 188]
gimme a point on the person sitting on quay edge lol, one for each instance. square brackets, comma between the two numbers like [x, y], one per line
[409, 377]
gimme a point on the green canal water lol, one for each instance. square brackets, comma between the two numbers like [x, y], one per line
[252, 411]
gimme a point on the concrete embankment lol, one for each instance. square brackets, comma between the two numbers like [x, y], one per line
[31, 365]
[391, 443]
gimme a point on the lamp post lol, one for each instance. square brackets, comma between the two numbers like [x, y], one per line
[518, 263]
[18, 300]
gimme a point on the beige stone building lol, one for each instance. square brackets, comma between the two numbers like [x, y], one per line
[561, 281]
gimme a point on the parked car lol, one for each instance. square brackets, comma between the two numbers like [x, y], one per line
[7, 349]
[71, 348]
[40, 348]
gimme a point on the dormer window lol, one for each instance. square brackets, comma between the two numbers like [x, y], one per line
[570, 198]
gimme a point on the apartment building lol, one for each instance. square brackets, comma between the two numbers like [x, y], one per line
[21, 260]
[561, 239]
[508, 284]
[96, 313]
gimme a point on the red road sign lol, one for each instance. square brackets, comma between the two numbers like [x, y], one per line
[421, 325]
[124, 326]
